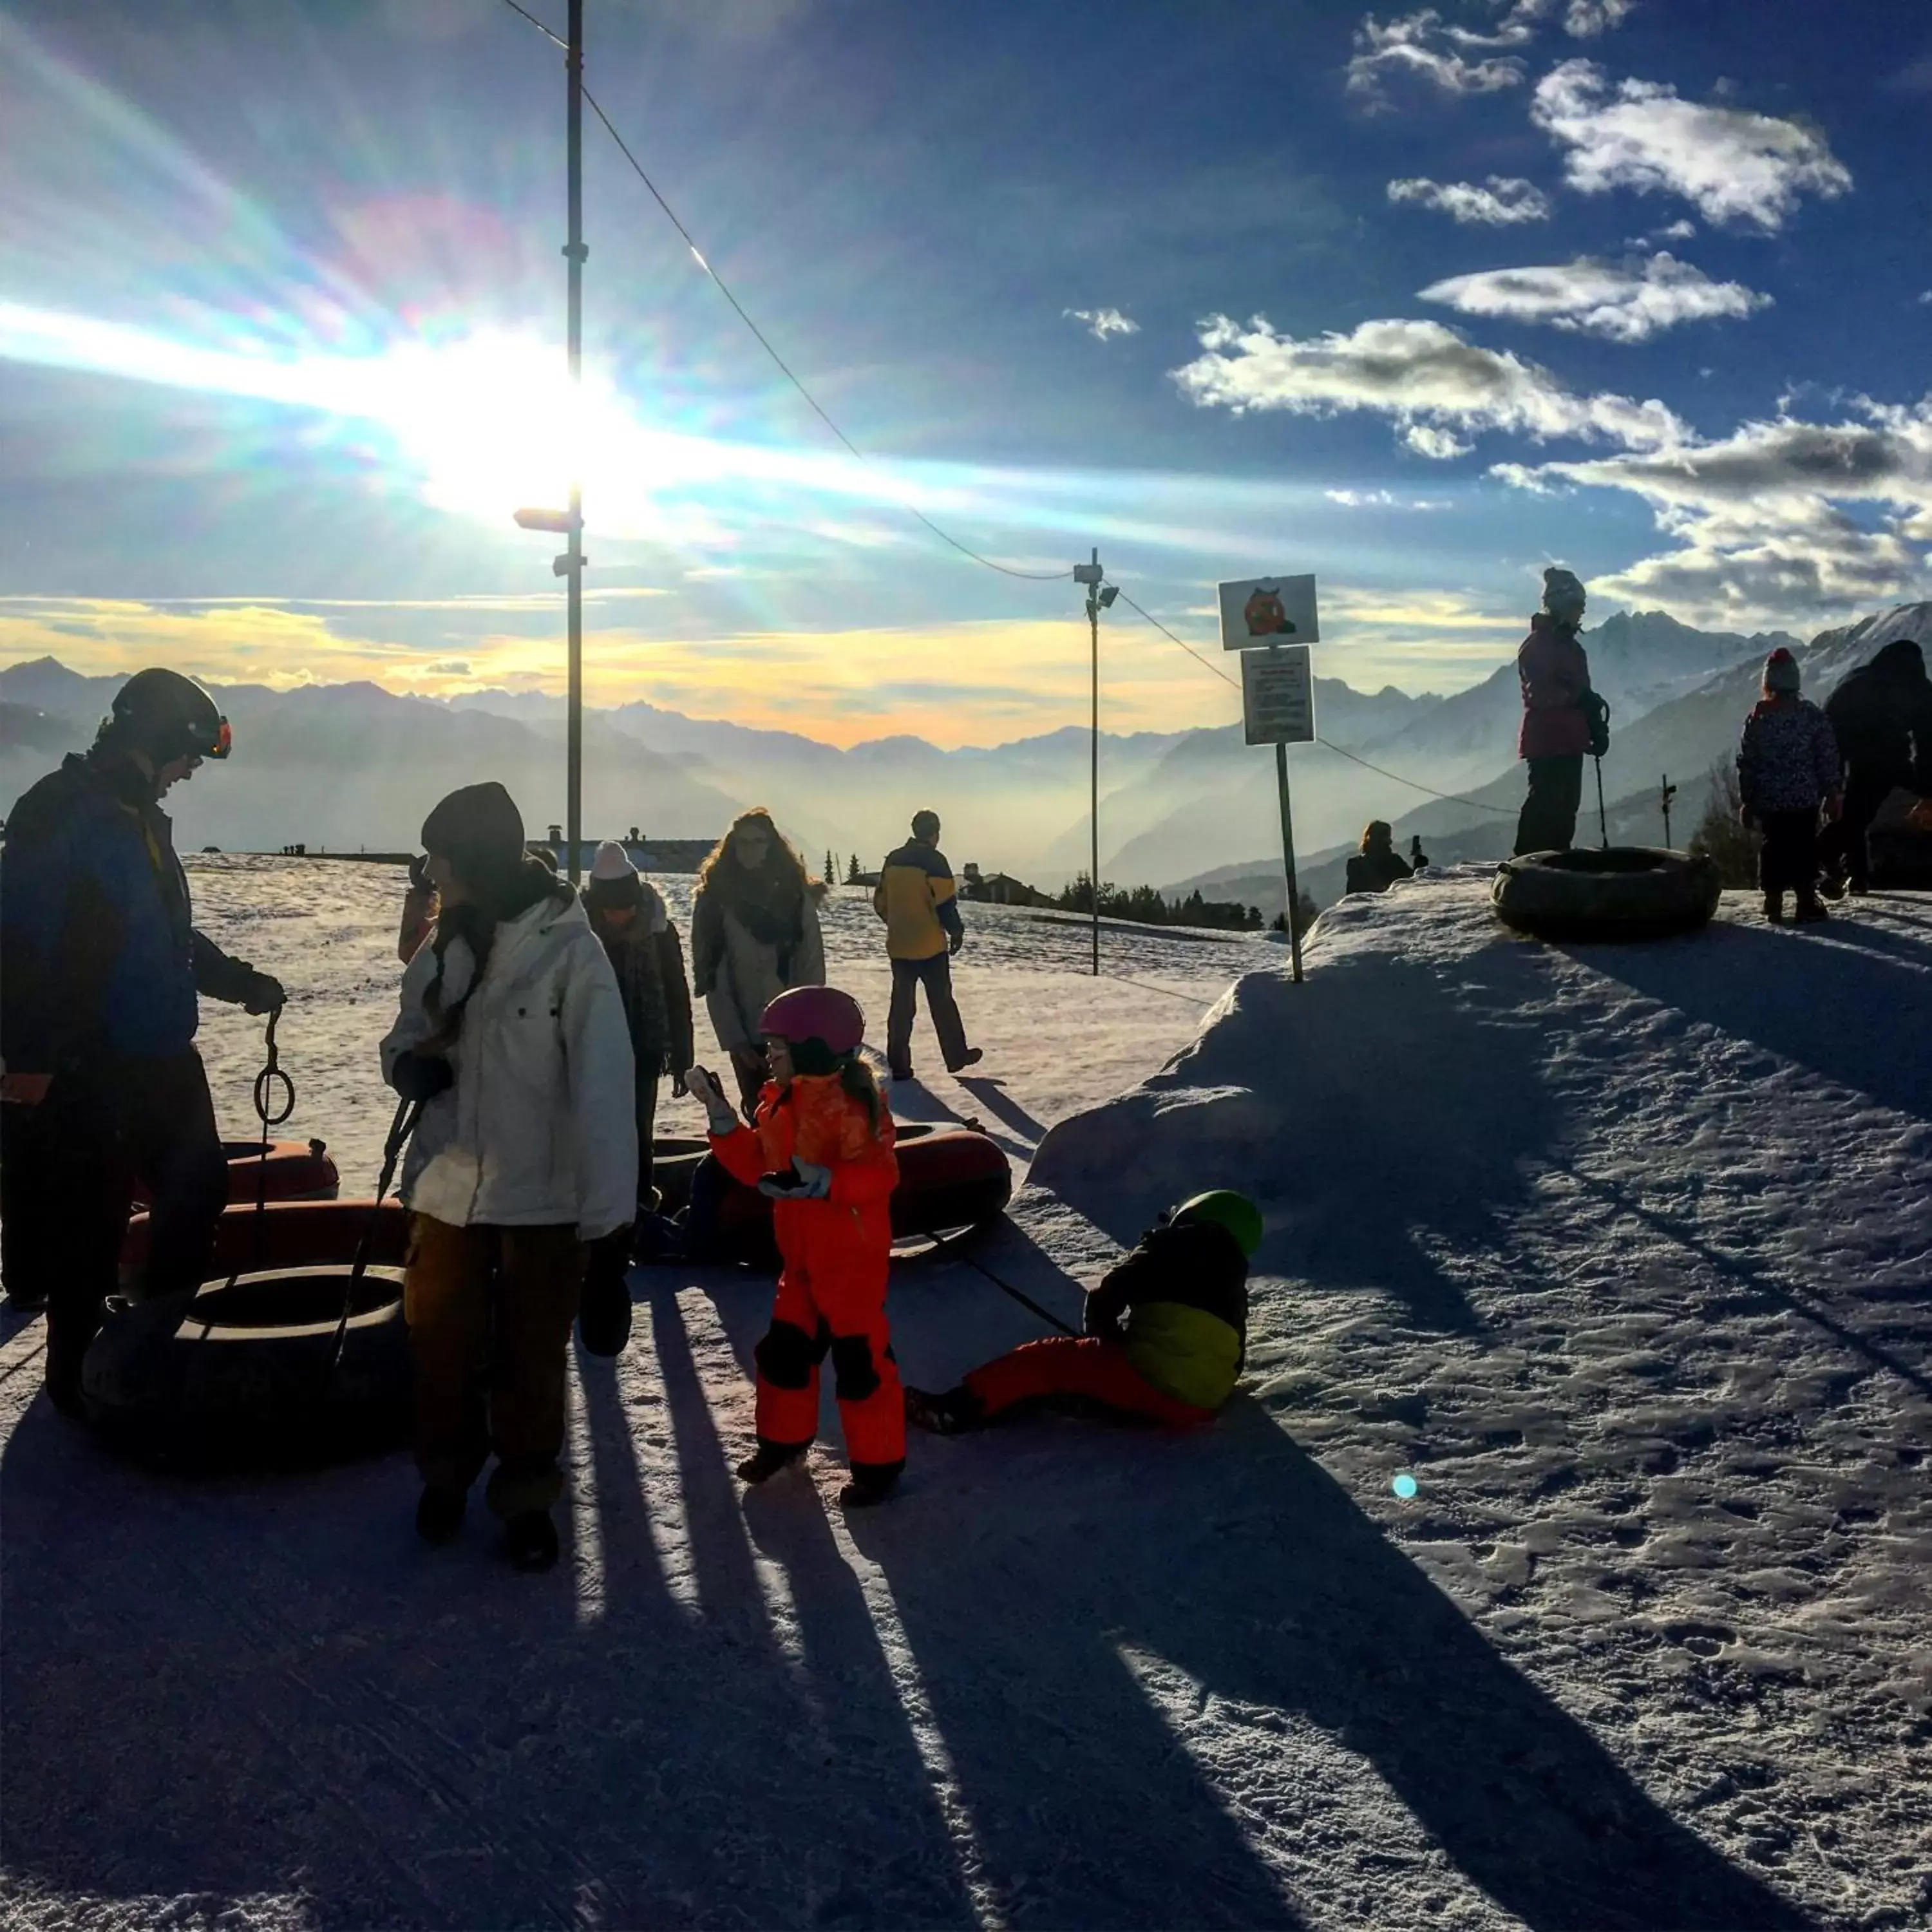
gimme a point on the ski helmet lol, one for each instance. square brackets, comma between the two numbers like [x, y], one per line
[1226, 1209]
[835, 1019]
[168, 716]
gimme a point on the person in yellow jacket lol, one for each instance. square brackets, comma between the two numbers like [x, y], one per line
[916, 897]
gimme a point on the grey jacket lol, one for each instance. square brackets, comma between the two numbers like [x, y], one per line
[747, 980]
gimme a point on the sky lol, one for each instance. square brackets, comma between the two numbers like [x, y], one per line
[1419, 300]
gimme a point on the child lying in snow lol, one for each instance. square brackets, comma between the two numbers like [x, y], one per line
[1166, 1333]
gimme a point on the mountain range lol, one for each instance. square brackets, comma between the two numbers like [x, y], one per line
[344, 766]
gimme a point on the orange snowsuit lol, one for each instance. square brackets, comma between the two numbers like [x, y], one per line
[831, 1289]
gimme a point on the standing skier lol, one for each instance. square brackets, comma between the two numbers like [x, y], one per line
[821, 1149]
[1881, 714]
[1788, 769]
[918, 900]
[101, 966]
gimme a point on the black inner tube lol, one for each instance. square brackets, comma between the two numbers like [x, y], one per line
[291, 1301]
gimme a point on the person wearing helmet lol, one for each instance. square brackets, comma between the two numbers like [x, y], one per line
[101, 968]
[1563, 720]
[821, 1147]
[1165, 1340]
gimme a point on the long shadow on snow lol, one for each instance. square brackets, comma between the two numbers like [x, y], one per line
[1234, 1558]
[1377, 1111]
[1790, 993]
[230, 1688]
[992, 1096]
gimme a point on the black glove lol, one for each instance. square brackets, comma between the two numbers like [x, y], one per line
[265, 994]
[421, 1076]
[954, 942]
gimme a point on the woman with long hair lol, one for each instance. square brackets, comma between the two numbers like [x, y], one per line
[511, 1036]
[755, 934]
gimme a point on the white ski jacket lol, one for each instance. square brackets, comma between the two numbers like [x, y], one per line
[540, 1128]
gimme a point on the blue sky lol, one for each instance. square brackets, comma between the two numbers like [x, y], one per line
[1419, 300]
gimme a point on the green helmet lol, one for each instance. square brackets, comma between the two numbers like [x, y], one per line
[168, 716]
[1226, 1209]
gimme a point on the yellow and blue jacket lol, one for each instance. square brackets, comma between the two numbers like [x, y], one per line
[918, 901]
[1178, 1304]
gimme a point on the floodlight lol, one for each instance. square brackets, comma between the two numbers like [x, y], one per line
[1108, 596]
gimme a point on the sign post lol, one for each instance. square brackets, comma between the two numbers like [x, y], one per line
[1271, 622]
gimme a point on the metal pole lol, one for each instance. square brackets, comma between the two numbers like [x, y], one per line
[1093, 879]
[1287, 859]
[574, 254]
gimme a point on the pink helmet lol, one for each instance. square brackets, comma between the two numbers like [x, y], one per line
[822, 1013]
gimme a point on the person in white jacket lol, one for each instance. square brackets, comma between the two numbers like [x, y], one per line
[512, 1037]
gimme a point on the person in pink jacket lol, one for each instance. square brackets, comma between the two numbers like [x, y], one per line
[1556, 727]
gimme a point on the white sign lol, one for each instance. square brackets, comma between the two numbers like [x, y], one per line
[1278, 696]
[1264, 610]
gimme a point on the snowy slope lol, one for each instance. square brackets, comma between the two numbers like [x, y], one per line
[1622, 1251]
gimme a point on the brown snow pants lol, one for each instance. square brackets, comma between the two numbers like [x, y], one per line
[490, 1311]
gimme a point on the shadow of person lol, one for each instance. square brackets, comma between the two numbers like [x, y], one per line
[914, 1102]
[1383, 1117]
[1155, 1605]
[233, 1690]
[992, 1096]
[1789, 993]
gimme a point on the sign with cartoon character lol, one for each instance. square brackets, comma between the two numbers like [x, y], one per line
[1261, 611]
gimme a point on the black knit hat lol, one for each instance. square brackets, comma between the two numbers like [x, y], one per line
[479, 830]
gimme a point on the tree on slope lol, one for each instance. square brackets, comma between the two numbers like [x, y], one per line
[1720, 834]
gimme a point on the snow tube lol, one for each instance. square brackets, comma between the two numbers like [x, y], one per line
[951, 1179]
[288, 1234]
[295, 1170]
[247, 1371]
[1624, 891]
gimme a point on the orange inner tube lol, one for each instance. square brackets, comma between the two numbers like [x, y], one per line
[291, 1234]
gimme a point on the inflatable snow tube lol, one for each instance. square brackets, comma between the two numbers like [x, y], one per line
[1624, 892]
[294, 1170]
[247, 1372]
[951, 1179]
[288, 1234]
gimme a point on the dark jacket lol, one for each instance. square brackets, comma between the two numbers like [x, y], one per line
[916, 897]
[1788, 758]
[648, 959]
[1178, 1304]
[99, 958]
[1882, 715]
[1377, 869]
[1554, 671]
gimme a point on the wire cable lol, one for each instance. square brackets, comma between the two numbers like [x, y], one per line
[1207, 663]
[764, 342]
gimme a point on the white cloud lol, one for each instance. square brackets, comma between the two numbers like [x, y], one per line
[1412, 45]
[1584, 18]
[1507, 200]
[1627, 304]
[1384, 499]
[1439, 389]
[1927, 298]
[1732, 165]
[1759, 516]
[1102, 322]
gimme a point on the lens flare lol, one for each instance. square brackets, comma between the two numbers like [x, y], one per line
[1405, 1486]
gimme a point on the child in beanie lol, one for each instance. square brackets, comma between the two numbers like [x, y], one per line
[1788, 766]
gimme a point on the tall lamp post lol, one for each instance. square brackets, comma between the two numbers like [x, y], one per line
[1098, 599]
[568, 523]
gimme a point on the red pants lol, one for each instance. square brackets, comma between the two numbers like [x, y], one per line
[1084, 1369]
[812, 1317]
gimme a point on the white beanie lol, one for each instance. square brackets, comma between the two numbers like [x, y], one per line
[612, 861]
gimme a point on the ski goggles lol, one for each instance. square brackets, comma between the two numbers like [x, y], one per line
[221, 744]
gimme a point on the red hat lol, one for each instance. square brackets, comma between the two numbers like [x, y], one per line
[835, 1019]
[1780, 671]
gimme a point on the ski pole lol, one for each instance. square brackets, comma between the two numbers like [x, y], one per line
[408, 1112]
[1602, 821]
[264, 1085]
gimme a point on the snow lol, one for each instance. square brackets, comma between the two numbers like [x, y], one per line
[1622, 1251]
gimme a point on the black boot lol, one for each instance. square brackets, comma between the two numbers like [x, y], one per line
[1773, 907]
[769, 1459]
[1809, 911]
[440, 1514]
[604, 1315]
[530, 1540]
[872, 1483]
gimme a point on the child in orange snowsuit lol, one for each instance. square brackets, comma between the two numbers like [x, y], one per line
[821, 1148]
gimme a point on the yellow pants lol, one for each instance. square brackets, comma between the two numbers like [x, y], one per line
[490, 1311]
